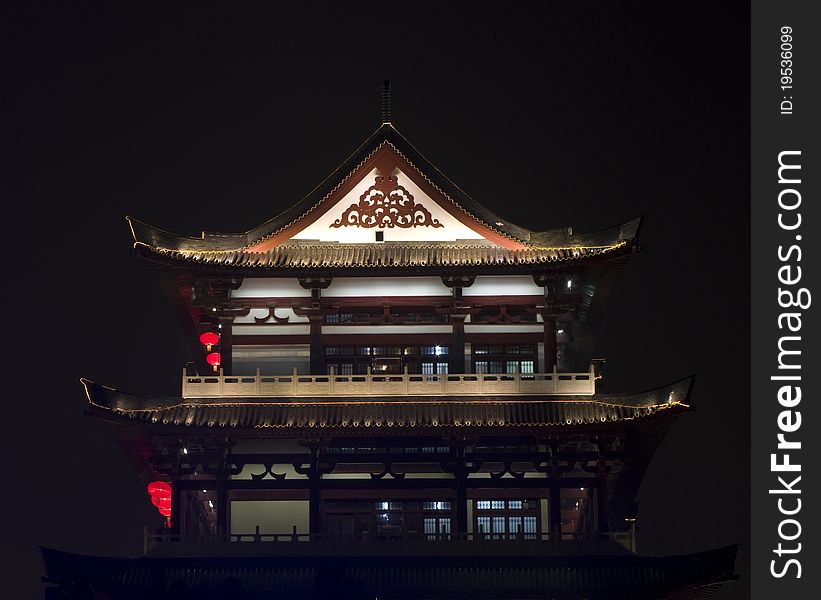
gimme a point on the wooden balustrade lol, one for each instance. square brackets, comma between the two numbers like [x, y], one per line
[370, 384]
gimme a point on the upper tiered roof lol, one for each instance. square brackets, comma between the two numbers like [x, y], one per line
[386, 206]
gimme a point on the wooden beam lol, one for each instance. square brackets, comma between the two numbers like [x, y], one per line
[471, 483]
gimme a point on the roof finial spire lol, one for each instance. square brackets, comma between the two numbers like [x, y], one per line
[386, 101]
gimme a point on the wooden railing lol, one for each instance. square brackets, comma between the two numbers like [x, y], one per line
[406, 384]
[365, 542]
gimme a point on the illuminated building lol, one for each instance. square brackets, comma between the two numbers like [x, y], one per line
[392, 394]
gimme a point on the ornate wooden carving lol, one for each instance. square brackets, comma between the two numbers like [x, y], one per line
[224, 312]
[387, 471]
[314, 283]
[386, 204]
[272, 315]
[506, 469]
[461, 281]
[268, 471]
[528, 315]
[215, 288]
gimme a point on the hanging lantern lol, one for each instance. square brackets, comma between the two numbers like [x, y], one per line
[161, 503]
[160, 493]
[214, 360]
[209, 339]
[159, 488]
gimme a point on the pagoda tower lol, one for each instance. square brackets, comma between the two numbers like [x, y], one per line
[391, 393]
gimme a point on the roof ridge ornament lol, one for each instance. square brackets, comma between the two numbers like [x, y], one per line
[386, 101]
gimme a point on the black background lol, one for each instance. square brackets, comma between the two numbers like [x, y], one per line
[194, 116]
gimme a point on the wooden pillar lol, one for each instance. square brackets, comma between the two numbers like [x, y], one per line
[226, 349]
[555, 509]
[314, 515]
[456, 358]
[176, 508]
[316, 317]
[602, 501]
[461, 505]
[549, 343]
[314, 474]
[548, 311]
[222, 508]
[317, 351]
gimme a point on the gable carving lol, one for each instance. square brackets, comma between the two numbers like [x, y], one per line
[386, 204]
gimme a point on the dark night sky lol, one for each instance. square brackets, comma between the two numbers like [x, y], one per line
[198, 116]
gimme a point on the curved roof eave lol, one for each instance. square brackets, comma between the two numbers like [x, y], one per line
[430, 413]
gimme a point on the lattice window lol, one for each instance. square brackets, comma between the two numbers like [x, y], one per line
[436, 505]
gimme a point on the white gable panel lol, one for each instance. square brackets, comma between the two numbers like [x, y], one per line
[451, 230]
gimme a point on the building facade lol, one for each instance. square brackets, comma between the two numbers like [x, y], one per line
[391, 394]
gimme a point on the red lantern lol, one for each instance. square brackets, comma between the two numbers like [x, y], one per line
[209, 339]
[160, 493]
[214, 360]
[161, 503]
[159, 489]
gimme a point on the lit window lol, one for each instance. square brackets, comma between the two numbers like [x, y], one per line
[514, 526]
[530, 528]
[438, 505]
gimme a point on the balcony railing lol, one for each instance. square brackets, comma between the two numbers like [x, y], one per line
[409, 543]
[406, 384]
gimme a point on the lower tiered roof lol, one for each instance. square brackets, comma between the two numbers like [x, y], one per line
[620, 576]
[372, 414]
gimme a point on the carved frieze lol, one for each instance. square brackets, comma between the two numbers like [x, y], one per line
[386, 204]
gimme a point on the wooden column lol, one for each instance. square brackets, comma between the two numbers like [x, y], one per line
[456, 358]
[458, 313]
[602, 500]
[316, 317]
[317, 351]
[222, 507]
[314, 474]
[549, 343]
[460, 472]
[314, 515]
[461, 504]
[555, 509]
[176, 508]
[226, 345]
[548, 311]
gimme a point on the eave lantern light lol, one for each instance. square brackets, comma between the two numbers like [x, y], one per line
[215, 360]
[209, 339]
[160, 493]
